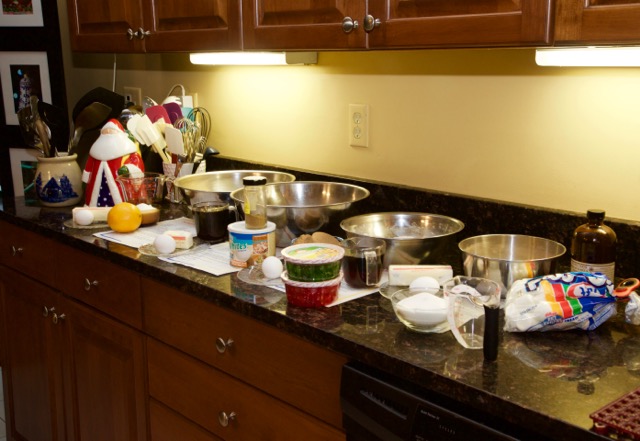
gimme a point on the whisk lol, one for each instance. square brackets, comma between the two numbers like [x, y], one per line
[191, 135]
[200, 116]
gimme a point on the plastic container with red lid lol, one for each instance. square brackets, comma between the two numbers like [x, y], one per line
[313, 262]
[311, 294]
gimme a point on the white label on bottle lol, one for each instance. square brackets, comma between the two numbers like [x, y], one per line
[608, 269]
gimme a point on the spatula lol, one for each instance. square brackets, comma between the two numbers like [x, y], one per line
[156, 113]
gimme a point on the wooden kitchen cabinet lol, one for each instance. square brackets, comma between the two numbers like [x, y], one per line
[227, 362]
[385, 24]
[64, 360]
[70, 372]
[592, 22]
[154, 25]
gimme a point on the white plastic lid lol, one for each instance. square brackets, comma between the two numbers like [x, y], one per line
[313, 253]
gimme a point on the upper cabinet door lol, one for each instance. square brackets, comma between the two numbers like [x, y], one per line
[105, 26]
[597, 22]
[194, 25]
[309, 24]
[462, 23]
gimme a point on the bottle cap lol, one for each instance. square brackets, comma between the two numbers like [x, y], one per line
[254, 180]
[595, 214]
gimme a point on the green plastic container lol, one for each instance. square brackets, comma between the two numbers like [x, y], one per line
[313, 262]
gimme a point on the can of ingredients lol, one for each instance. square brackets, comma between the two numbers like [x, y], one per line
[251, 246]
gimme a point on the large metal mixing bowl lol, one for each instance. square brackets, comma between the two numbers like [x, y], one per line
[506, 258]
[412, 238]
[304, 207]
[218, 185]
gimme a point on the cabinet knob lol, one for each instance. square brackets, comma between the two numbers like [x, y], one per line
[349, 24]
[88, 284]
[225, 418]
[222, 345]
[131, 33]
[370, 23]
[57, 317]
[141, 33]
[16, 250]
[46, 311]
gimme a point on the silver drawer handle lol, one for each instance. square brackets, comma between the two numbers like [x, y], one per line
[349, 24]
[57, 317]
[88, 284]
[222, 345]
[46, 311]
[15, 251]
[370, 23]
[224, 419]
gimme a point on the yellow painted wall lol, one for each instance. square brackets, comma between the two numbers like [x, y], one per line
[486, 123]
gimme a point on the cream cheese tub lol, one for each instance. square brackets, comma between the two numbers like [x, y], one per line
[248, 247]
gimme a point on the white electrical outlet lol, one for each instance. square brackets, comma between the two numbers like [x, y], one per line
[359, 125]
[132, 95]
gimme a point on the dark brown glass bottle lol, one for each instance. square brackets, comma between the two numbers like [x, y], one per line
[593, 246]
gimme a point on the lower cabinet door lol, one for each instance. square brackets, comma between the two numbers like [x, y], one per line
[230, 409]
[104, 376]
[32, 387]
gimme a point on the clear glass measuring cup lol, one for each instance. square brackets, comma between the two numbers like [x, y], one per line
[473, 309]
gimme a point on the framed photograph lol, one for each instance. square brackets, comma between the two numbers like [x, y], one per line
[21, 13]
[23, 74]
[23, 170]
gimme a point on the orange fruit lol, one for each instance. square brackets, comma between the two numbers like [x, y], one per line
[124, 217]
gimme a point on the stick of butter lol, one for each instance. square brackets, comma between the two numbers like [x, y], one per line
[403, 275]
[99, 214]
[184, 239]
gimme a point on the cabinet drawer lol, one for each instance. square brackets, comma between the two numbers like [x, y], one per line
[101, 284]
[27, 252]
[204, 395]
[285, 366]
[167, 425]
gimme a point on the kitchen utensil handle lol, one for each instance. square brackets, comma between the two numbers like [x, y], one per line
[491, 329]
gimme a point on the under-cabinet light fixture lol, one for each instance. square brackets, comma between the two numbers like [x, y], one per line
[254, 58]
[589, 57]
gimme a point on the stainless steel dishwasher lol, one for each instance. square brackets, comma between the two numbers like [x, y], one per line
[379, 407]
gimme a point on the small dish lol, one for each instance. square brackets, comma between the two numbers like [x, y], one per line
[255, 276]
[69, 223]
[387, 290]
[420, 310]
[150, 250]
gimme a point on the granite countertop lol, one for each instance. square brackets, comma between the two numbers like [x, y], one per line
[547, 383]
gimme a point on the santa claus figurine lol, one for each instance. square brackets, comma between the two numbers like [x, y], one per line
[112, 151]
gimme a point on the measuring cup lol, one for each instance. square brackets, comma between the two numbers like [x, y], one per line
[362, 262]
[473, 309]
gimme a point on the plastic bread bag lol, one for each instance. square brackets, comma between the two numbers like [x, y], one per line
[559, 302]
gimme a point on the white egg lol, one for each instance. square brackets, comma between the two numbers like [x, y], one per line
[164, 244]
[84, 217]
[425, 282]
[272, 267]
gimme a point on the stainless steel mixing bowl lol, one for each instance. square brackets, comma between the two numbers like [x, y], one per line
[412, 238]
[506, 258]
[218, 185]
[304, 207]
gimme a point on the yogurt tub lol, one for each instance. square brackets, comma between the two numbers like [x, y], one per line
[313, 262]
[249, 247]
[311, 294]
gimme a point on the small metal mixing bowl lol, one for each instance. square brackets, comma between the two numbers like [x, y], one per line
[218, 185]
[412, 238]
[304, 207]
[506, 258]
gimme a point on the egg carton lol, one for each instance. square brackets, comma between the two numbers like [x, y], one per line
[619, 419]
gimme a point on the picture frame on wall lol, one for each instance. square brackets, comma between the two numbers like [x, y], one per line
[23, 169]
[23, 74]
[21, 13]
